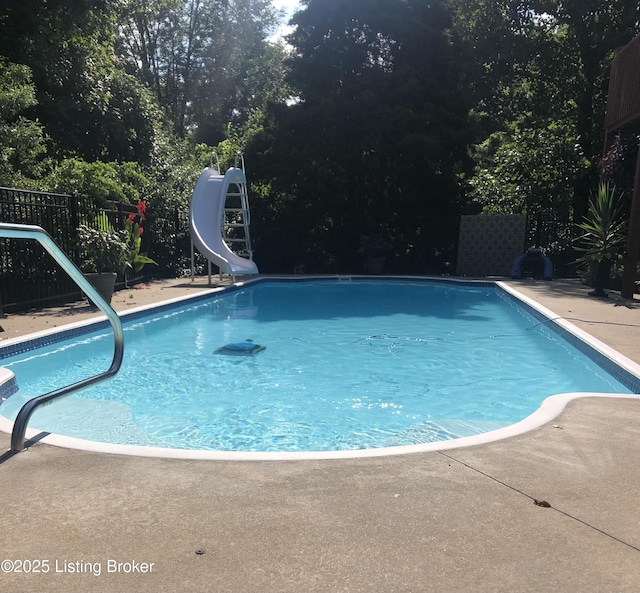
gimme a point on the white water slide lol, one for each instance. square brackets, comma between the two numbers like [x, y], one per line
[206, 220]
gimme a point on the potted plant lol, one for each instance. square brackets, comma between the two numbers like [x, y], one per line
[376, 251]
[103, 255]
[107, 252]
[604, 235]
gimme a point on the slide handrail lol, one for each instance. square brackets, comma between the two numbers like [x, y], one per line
[23, 231]
[239, 157]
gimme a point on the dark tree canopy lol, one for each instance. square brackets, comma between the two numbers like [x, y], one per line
[379, 134]
[85, 101]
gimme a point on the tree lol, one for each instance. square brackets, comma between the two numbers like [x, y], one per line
[377, 139]
[206, 61]
[22, 141]
[88, 106]
[528, 171]
[594, 30]
[545, 68]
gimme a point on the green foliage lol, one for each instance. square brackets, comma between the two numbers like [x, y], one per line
[618, 165]
[99, 182]
[133, 229]
[87, 104]
[172, 176]
[16, 90]
[389, 118]
[127, 127]
[377, 140]
[22, 142]
[102, 222]
[527, 171]
[541, 81]
[603, 229]
[102, 250]
[237, 139]
[206, 61]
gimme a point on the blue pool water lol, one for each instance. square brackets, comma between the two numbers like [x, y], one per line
[346, 365]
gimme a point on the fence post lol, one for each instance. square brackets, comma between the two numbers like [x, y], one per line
[75, 223]
[176, 234]
[119, 215]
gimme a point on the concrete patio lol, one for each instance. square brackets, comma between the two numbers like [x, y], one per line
[450, 521]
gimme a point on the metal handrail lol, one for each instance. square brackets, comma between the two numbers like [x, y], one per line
[217, 167]
[239, 157]
[23, 231]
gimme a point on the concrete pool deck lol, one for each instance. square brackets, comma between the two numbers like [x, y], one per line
[456, 520]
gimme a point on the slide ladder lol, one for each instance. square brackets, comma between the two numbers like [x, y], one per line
[237, 217]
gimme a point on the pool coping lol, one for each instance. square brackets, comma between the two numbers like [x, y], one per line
[550, 408]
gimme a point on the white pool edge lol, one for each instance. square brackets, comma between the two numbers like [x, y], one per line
[549, 409]
[620, 359]
[99, 318]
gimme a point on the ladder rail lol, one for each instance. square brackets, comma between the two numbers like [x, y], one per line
[21, 231]
[241, 222]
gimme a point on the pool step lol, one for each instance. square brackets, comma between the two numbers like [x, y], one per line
[431, 431]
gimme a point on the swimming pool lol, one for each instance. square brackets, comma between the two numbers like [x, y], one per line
[348, 365]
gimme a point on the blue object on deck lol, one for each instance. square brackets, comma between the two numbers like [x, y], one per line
[246, 347]
[533, 264]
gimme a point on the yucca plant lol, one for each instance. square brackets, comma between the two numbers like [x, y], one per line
[603, 236]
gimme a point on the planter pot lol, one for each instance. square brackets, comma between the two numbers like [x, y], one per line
[103, 283]
[601, 278]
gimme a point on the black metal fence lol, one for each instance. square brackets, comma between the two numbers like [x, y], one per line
[29, 277]
[555, 232]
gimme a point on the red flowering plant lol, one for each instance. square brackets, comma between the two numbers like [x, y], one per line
[133, 228]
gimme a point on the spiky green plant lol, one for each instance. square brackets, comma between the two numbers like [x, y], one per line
[603, 229]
